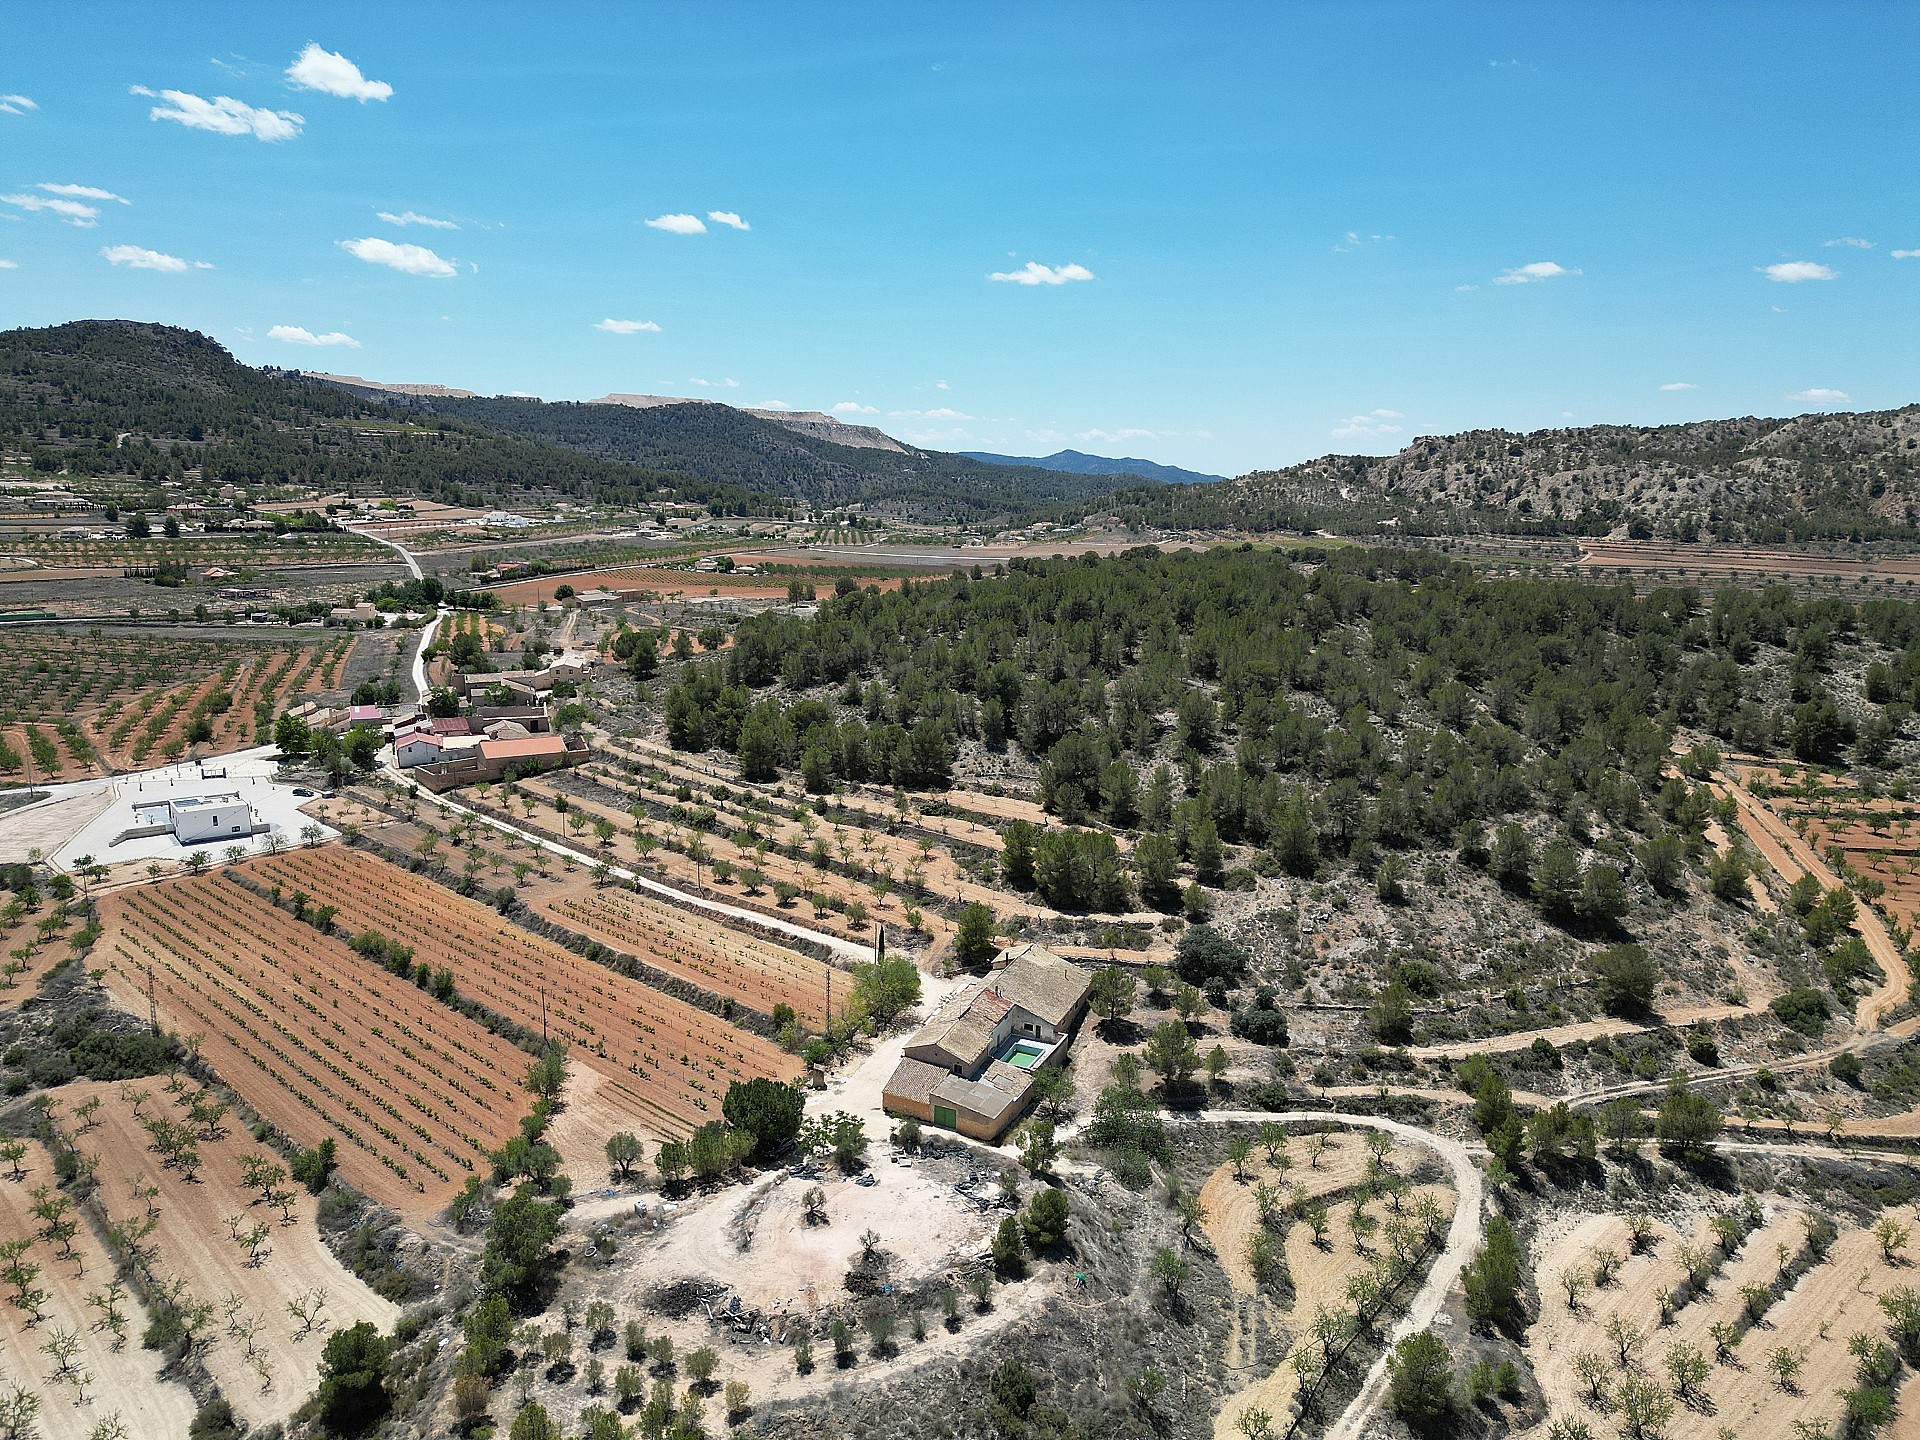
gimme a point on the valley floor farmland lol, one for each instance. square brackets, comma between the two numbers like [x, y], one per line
[319, 1041]
[668, 1063]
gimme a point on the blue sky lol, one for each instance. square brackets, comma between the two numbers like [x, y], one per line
[1265, 232]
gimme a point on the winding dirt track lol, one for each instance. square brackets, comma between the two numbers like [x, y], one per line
[1793, 857]
[1463, 1238]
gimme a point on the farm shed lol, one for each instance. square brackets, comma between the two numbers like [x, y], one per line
[195, 819]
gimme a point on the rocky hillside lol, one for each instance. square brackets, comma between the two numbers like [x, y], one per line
[1832, 476]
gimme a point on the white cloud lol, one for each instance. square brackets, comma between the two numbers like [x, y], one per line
[854, 407]
[770, 405]
[941, 385]
[1528, 274]
[678, 224]
[1792, 272]
[1370, 426]
[9, 264]
[223, 115]
[1108, 436]
[946, 413]
[136, 258]
[1354, 240]
[626, 327]
[16, 105]
[410, 259]
[1459, 288]
[728, 384]
[409, 217]
[1906, 254]
[1034, 273]
[1851, 241]
[1679, 385]
[1820, 396]
[726, 217]
[332, 74]
[82, 192]
[74, 212]
[300, 335]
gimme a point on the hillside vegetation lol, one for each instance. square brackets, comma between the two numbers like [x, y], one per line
[1847, 476]
[721, 442]
[148, 403]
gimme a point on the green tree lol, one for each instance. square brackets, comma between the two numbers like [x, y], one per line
[1627, 979]
[765, 1109]
[1687, 1122]
[1171, 1053]
[1493, 1276]
[1390, 1017]
[1421, 1381]
[974, 945]
[353, 1378]
[1111, 997]
[519, 1245]
[1045, 1222]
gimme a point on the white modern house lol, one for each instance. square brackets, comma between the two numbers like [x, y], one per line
[195, 819]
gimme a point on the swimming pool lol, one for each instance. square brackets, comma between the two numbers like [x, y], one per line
[1024, 1054]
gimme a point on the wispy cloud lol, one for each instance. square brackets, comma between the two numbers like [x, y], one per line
[16, 105]
[1531, 274]
[1792, 272]
[728, 384]
[74, 212]
[82, 192]
[408, 259]
[1679, 385]
[854, 407]
[1906, 254]
[678, 224]
[770, 405]
[1354, 239]
[135, 257]
[1820, 396]
[1109, 437]
[626, 327]
[300, 335]
[730, 218]
[333, 74]
[9, 264]
[1034, 273]
[413, 217]
[1853, 242]
[222, 115]
[1370, 426]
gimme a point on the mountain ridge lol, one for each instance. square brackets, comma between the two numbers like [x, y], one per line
[1079, 462]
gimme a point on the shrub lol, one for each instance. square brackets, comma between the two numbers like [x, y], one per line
[1804, 1010]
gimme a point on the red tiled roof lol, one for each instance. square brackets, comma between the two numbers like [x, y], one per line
[531, 745]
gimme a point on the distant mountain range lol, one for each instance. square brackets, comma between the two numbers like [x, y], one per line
[115, 397]
[1078, 462]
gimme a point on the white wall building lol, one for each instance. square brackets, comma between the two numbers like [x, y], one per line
[199, 818]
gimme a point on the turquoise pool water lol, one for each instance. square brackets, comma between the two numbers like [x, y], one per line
[1023, 1054]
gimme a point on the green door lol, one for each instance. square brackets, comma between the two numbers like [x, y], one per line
[944, 1116]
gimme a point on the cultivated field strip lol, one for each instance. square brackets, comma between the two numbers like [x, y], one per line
[123, 1379]
[726, 962]
[319, 1040]
[669, 1062]
[266, 1361]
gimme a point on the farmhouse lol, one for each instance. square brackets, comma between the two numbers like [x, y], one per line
[970, 1068]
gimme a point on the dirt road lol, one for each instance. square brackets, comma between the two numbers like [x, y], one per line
[1463, 1238]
